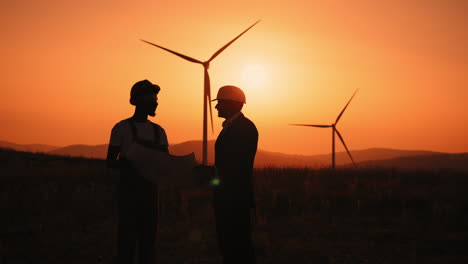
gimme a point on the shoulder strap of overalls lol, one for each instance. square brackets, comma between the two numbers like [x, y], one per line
[150, 144]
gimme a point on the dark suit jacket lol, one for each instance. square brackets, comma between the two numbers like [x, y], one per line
[235, 151]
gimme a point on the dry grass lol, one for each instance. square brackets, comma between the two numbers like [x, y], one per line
[62, 210]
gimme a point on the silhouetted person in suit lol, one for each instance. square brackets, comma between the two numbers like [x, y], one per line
[235, 151]
[137, 197]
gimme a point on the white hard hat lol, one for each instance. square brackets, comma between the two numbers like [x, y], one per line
[232, 93]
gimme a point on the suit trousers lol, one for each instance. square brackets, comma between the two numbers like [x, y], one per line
[234, 233]
[137, 218]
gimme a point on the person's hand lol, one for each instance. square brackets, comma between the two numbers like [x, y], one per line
[205, 173]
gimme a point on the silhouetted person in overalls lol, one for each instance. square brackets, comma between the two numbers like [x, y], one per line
[137, 197]
[235, 151]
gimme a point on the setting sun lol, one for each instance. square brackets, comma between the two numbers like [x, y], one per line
[254, 76]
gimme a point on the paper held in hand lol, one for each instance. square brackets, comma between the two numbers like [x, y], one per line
[162, 168]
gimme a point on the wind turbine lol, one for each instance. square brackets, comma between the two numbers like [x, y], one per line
[334, 130]
[207, 90]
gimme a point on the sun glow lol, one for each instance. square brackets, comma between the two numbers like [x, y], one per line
[254, 76]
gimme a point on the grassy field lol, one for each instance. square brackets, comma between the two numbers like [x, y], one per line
[62, 210]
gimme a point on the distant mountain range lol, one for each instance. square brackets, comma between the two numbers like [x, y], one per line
[374, 157]
[457, 162]
[28, 148]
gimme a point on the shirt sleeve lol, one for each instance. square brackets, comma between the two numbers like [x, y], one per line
[164, 138]
[116, 136]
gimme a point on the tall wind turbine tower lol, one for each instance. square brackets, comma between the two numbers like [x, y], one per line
[334, 131]
[206, 87]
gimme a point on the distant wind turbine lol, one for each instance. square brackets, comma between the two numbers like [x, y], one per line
[207, 89]
[334, 130]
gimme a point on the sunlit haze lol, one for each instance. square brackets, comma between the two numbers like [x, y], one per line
[254, 78]
[67, 69]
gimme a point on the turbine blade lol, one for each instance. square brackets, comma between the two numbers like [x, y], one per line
[227, 45]
[339, 116]
[342, 141]
[208, 96]
[175, 53]
[310, 125]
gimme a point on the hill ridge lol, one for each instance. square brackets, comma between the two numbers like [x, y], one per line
[376, 156]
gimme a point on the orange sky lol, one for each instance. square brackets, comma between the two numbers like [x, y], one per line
[67, 69]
